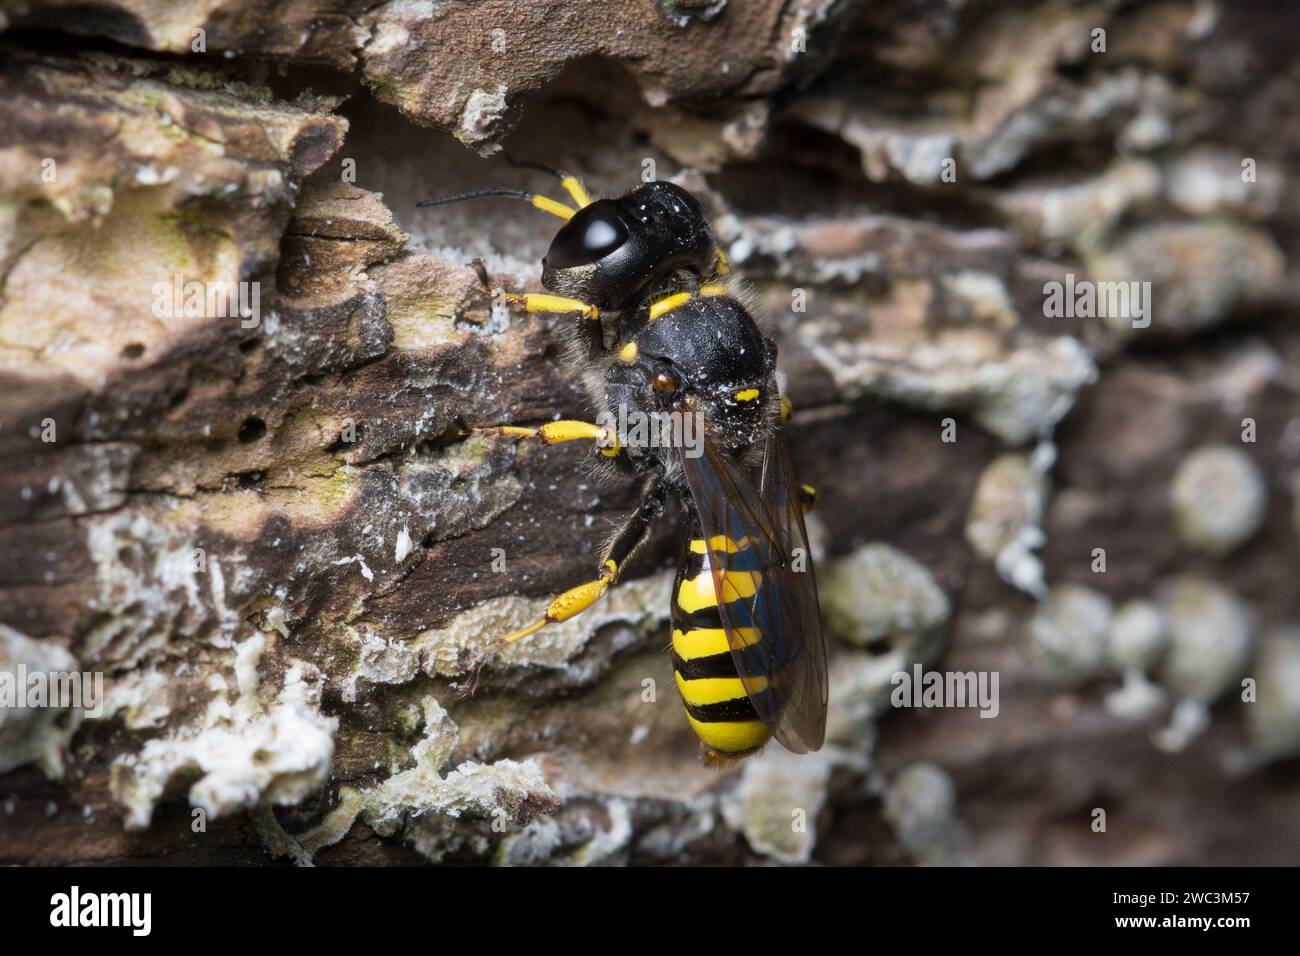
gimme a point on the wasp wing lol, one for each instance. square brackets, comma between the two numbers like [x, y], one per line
[763, 578]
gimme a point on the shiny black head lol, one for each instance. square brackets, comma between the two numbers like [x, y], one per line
[594, 232]
[613, 249]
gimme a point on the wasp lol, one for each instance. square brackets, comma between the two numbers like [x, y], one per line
[662, 333]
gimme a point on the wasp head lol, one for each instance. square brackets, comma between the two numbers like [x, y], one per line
[611, 250]
[586, 258]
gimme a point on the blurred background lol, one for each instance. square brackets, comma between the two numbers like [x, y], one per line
[278, 545]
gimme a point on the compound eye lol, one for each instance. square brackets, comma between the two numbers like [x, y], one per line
[667, 382]
[593, 233]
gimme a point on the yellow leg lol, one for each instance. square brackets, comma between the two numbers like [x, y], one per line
[553, 433]
[574, 601]
[541, 302]
[662, 307]
[807, 493]
[569, 604]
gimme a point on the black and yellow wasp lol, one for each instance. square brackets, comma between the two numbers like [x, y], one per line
[663, 331]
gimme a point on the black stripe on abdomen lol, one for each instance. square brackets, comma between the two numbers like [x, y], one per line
[738, 708]
[699, 668]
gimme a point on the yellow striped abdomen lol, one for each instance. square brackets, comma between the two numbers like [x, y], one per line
[717, 704]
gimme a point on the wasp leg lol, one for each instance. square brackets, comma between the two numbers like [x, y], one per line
[721, 264]
[574, 601]
[533, 301]
[480, 270]
[661, 307]
[807, 493]
[541, 302]
[553, 433]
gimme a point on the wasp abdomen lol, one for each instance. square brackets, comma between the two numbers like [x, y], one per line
[718, 705]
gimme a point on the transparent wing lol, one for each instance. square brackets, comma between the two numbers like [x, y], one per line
[763, 576]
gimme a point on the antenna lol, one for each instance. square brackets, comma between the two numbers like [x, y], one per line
[572, 185]
[541, 202]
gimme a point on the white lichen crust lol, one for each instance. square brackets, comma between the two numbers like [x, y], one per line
[1218, 498]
